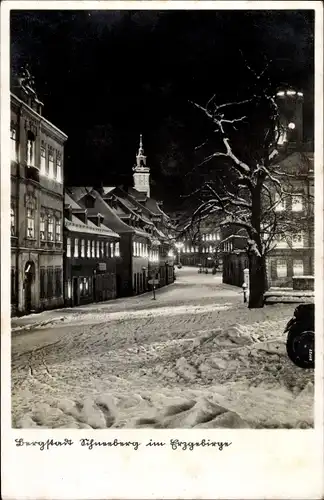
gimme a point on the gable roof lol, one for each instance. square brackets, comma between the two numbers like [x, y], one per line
[111, 218]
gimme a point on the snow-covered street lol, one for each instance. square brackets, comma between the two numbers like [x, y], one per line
[194, 357]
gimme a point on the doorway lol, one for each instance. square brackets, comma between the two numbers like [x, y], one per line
[28, 285]
[75, 291]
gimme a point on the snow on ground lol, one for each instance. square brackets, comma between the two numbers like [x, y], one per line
[195, 357]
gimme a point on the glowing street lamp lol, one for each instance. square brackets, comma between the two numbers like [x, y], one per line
[179, 245]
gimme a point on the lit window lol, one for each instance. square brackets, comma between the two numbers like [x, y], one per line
[297, 240]
[298, 268]
[13, 136]
[43, 159]
[88, 248]
[280, 204]
[98, 249]
[50, 164]
[58, 230]
[134, 249]
[112, 252]
[30, 149]
[30, 223]
[281, 268]
[210, 249]
[117, 249]
[68, 247]
[82, 248]
[12, 221]
[297, 203]
[192, 249]
[93, 250]
[42, 223]
[76, 247]
[281, 241]
[58, 168]
[107, 249]
[50, 228]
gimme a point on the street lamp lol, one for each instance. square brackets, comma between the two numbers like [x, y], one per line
[179, 245]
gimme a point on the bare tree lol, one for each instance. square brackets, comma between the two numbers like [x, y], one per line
[250, 201]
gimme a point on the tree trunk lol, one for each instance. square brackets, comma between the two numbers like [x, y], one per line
[258, 279]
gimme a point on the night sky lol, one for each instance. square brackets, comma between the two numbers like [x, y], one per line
[107, 76]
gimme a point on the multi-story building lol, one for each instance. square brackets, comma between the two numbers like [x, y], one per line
[91, 253]
[292, 249]
[37, 154]
[198, 242]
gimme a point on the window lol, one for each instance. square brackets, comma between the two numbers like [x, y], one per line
[117, 249]
[102, 249]
[98, 249]
[58, 230]
[281, 269]
[281, 241]
[82, 248]
[30, 223]
[42, 227]
[93, 250]
[298, 268]
[50, 164]
[12, 221]
[58, 282]
[112, 252]
[280, 203]
[210, 249]
[297, 240]
[107, 249]
[13, 136]
[43, 159]
[76, 247]
[68, 247]
[30, 149]
[88, 248]
[297, 203]
[50, 283]
[84, 286]
[42, 283]
[50, 228]
[58, 168]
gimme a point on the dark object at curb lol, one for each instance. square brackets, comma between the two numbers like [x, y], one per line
[300, 344]
[179, 266]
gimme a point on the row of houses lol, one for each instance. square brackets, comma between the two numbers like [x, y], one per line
[74, 245]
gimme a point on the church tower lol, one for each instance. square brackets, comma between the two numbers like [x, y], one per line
[141, 171]
[290, 106]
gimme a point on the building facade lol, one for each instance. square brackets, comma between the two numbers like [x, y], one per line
[291, 251]
[91, 254]
[36, 213]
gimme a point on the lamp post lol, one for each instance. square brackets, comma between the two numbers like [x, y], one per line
[179, 245]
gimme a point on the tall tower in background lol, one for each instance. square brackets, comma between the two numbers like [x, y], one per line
[141, 171]
[290, 104]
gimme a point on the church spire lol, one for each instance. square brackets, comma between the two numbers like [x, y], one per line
[141, 171]
[141, 150]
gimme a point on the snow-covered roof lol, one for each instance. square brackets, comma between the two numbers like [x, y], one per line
[138, 232]
[107, 190]
[79, 227]
[69, 201]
